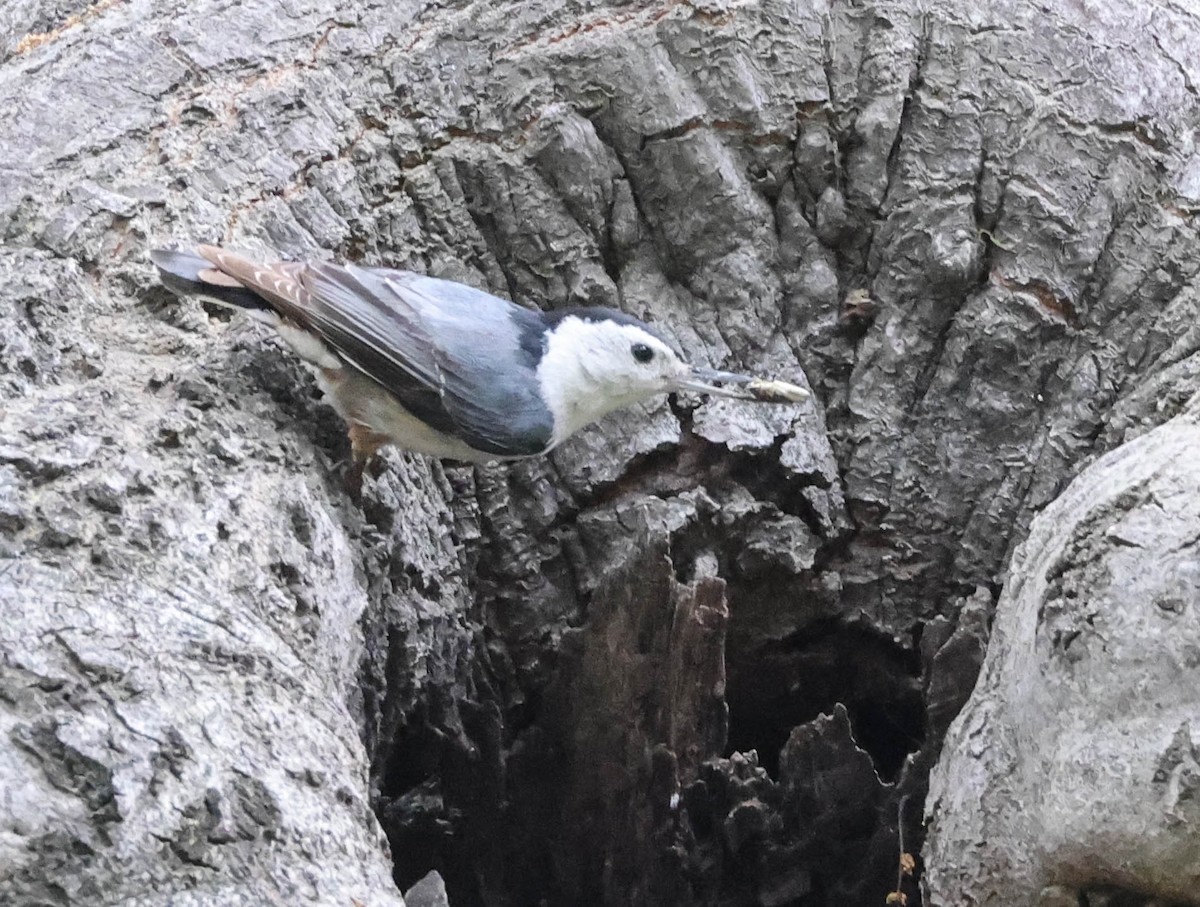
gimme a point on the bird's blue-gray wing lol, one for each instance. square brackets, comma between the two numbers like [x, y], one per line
[458, 358]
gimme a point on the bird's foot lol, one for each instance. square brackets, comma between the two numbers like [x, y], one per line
[363, 444]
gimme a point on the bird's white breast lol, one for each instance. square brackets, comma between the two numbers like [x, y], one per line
[359, 399]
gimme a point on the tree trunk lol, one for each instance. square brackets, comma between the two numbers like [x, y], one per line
[1075, 759]
[704, 652]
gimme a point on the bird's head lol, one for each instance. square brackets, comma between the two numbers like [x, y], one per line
[598, 360]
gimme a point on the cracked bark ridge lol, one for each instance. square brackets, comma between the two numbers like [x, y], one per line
[972, 229]
[1072, 770]
[177, 591]
[642, 707]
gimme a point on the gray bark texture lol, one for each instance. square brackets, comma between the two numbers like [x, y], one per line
[703, 653]
[1076, 763]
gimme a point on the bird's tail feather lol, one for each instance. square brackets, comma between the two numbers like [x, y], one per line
[187, 274]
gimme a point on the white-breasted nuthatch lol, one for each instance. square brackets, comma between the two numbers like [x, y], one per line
[447, 370]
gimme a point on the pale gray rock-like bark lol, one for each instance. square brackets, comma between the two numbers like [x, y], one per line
[970, 227]
[430, 891]
[1076, 763]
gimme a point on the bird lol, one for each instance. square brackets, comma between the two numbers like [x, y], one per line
[447, 370]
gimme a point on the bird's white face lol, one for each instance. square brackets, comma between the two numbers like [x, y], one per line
[591, 368]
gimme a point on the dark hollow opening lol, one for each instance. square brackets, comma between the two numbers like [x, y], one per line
[774, 688]
[421, 826]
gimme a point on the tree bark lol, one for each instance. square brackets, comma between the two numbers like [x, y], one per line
[1076, 759]
[971, 228]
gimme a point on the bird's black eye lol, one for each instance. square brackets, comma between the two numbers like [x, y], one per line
[642, 353]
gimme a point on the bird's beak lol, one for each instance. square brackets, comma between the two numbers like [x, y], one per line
[741, 387]
[721, 384]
